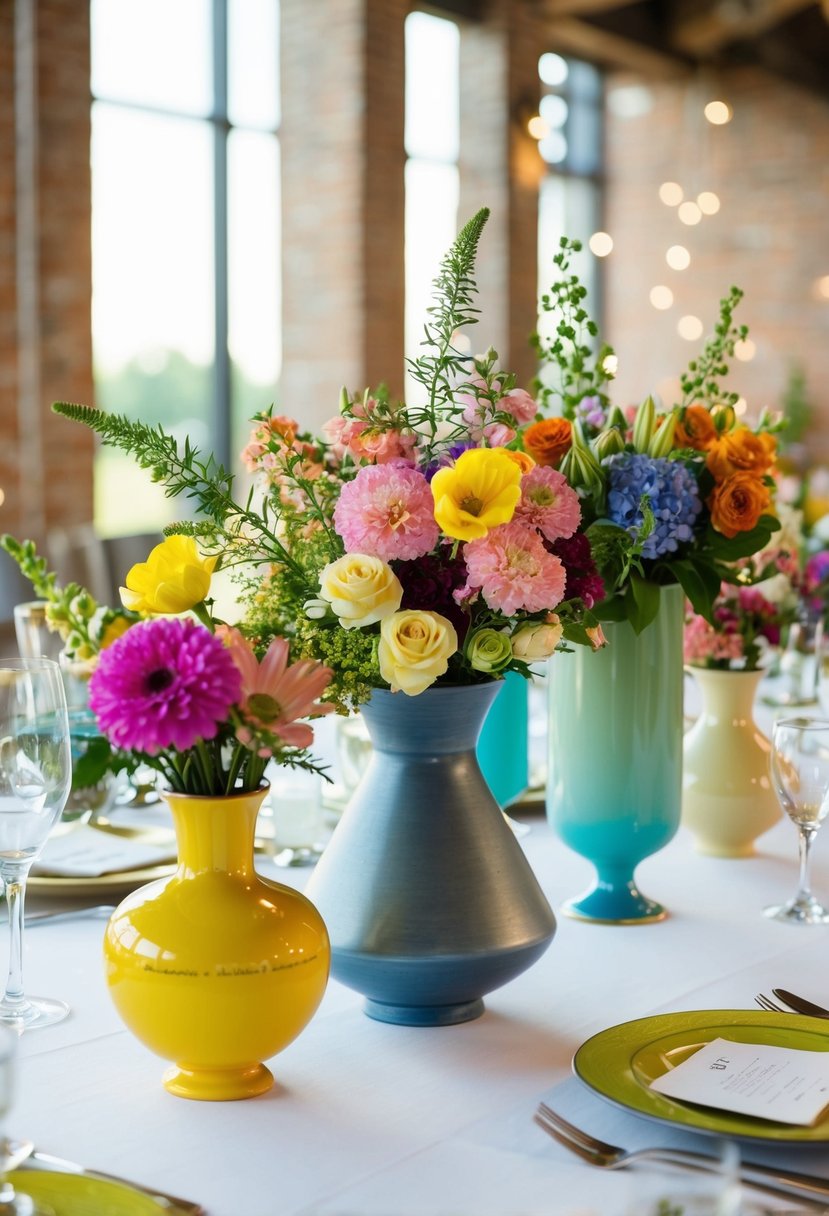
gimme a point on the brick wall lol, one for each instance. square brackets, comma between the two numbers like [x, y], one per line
[770, 168]
[45, 264]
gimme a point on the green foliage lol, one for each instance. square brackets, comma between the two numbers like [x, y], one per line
[797, 409]
[581, 369]
[701, 381]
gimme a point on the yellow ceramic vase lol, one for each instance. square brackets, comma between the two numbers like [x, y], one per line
[216, 968]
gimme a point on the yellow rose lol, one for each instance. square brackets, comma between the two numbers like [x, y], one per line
[174, 577]
[535, 642]
[360, 589]
[480, 491]
[415, 647]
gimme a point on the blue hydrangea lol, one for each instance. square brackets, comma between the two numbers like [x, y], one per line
[673, 494]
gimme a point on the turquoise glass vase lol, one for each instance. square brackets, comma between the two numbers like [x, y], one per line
[614, 790]
[503, 748]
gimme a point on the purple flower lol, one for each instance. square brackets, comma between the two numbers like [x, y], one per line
[583, 579]
[164, 683]
[429, 583]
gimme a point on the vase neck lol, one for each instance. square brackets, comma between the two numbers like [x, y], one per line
[733, 691]
[437, 722]
[215, 833]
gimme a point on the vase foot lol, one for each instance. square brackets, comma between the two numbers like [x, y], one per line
[424, 1015]
[615, 905]
[218, 1084]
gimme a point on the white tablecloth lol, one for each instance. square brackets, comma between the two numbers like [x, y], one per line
[379, 1120]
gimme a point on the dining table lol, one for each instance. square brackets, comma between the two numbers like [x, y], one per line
[371, 1119]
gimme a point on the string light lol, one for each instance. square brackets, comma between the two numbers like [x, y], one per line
[671, 194]
[740, 406]
[601, 243]
[745, 350]
[689, 327]
[689, 213]
[662, 297]
[708, 202]
[822, 287]
[538, 127]
[718, 113]
[678, 257]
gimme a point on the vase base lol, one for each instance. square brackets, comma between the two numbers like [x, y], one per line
[615, 906]
[218, 1084]
[424, 1015]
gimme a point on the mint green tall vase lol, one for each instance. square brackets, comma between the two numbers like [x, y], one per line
[614, 787]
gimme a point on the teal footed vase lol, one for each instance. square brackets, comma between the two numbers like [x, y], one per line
[503, 746]
[614, 788]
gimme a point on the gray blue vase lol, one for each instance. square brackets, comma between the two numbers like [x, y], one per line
[428, 898]
[614, 784]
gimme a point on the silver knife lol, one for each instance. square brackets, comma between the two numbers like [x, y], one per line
[174, 1202]
[800, 1004]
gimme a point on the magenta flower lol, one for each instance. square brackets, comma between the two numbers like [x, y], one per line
[549, 503]
[387, 511]
[514, 571]
[165, 683]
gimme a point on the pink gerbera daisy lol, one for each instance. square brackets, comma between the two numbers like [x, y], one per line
[164, 683]
[549, 503]
[387, 511]
[275, 693]
[514, 571]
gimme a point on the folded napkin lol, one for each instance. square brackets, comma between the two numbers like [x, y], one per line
[86, 852]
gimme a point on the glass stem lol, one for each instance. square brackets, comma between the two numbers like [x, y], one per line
[15, 884]
[805, 836]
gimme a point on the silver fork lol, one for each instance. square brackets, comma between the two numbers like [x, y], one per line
[612, 1157]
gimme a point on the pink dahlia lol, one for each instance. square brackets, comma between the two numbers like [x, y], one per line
[387, 511]
[549, 503]
[514, 571]
[164, 683]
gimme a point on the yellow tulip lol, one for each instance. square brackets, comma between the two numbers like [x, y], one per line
[174, 577]
[480, 491]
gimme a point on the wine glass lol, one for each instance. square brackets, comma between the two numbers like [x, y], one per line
[35, 773]
[800, 774]
[13, 1152]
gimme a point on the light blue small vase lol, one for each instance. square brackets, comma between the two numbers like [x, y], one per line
[428, 897]
[614, 789]
[503, 748]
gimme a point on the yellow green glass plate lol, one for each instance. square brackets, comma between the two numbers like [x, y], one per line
[79, 1195]
[620, 1063]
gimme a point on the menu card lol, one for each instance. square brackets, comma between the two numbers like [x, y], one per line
[784, 1084]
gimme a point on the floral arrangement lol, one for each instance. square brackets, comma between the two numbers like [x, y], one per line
[409, 544]
[184, 695]
[679, 495]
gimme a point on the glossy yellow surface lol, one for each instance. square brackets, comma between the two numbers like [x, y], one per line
[216, 968]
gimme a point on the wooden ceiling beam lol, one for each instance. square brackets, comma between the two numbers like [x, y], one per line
[573, 37]
[582, 8]
[704, 29]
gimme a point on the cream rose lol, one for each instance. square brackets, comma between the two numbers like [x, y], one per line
[535, 642]
[415, 647]
[360, 589]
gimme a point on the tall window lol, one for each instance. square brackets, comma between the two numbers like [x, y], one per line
[432, 138]
[570, 202]
[185, 230]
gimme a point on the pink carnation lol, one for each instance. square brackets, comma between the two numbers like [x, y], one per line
[549, 503]
[514, 571]
[702, 642]
[387, 511]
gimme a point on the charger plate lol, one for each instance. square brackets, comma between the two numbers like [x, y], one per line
[620, 1063]
[118, 883]
[79, 1195]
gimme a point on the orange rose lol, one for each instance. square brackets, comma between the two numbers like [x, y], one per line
[524, 461]
[737, 503]
[695, 429]
[741, 451]
[548, 441]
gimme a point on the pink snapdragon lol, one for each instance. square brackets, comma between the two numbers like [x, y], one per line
[514, 571]
[387, 511]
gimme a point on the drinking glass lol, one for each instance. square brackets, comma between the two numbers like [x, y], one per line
[12, 1152]
[35, 773]
[800, 774]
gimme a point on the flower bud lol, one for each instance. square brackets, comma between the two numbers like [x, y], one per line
[536, 641]
[608, 442]
[315, 610]
[344, 402]
[724, 417]
[489, 651]
[643, 425]
[617, 419]
[662, 440]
